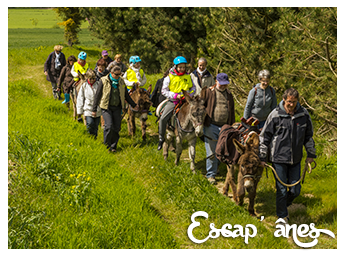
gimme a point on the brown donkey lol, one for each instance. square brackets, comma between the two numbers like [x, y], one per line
[141, 97]
[249, 172]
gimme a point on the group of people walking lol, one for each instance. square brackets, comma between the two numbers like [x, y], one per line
[285, 127]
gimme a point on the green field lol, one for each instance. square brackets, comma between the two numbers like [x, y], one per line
[66, 191]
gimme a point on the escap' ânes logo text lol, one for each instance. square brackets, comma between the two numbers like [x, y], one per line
[250, 231]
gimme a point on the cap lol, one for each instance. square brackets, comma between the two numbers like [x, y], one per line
[104, 53]
[222, 78]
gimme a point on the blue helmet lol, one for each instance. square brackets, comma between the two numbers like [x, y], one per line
[82, 55]
[179, 60]
[134, 59]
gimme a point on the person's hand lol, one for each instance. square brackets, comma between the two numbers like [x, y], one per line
[94, 114]
[45, 73]
[309, 160]
[179, 97]
[262, 163]
[136, 108]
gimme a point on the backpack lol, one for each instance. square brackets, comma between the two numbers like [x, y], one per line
[157, 96]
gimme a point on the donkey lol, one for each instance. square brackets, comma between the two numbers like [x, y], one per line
[141, 97]
[249, 172]
[189, 119]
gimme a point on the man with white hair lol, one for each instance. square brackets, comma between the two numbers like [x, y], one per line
[201, 77]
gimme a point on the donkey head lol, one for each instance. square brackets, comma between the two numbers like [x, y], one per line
[249, 161]
[143, 99]
[196, 112]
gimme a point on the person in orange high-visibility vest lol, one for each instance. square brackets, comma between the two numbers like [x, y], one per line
[172, 87]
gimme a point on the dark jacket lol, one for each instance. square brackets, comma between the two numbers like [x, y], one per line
[49, 66]
[104, 94]
[65, 78]
[210, 103]
[100, 75]
[157, 96]
[108, 61]
[284, 136]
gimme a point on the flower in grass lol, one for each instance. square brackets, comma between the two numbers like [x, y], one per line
[73, 187]
[88, 179]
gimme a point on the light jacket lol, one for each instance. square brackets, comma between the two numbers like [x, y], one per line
[260, 102]
[104, 92]
[284, 136]
[132, 75]
[206, 80]
[84, 102]
[173, 84]
[77, 67]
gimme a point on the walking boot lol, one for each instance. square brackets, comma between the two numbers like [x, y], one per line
[67, 98]
[161, 142]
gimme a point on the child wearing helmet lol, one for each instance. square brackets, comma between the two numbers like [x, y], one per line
[80, 65]
[172, 87]
[134, 76]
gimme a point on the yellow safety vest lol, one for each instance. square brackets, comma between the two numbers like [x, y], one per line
[179, 83]
[82, 69]
[131, 75]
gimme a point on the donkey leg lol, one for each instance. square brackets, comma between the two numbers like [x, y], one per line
[192, 153]
[178, 149]
[166, 145]
[252, 197]
[241, 189]
[143, 118]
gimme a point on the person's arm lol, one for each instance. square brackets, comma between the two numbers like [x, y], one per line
[166, 90]
[61, 78]
[249, 104]
[144, 80]
[231, 109]
[80, 100]
[72, 71]
[46, 63]
[266, 136]
[309, 142]
[129, 99]
[97, 96]
[274, 99]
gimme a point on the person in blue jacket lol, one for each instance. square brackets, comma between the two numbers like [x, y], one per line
[261, 99]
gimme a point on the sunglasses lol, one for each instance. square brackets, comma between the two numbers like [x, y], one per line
[116, 74]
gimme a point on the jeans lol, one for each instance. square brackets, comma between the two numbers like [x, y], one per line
[289, 174]
[112, 119]
[212, 163]
[92, 124]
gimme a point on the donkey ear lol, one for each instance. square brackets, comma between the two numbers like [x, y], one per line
[187, 96]
[239, 147]
[149, 88]
[253, 141]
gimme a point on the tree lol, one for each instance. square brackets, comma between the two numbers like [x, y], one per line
[72, 20]
[157, 35]
[298, 45]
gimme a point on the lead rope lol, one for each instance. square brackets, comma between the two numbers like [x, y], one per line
[302, 177]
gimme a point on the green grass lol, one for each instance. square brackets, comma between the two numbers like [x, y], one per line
[25, 18]
[67, 191]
